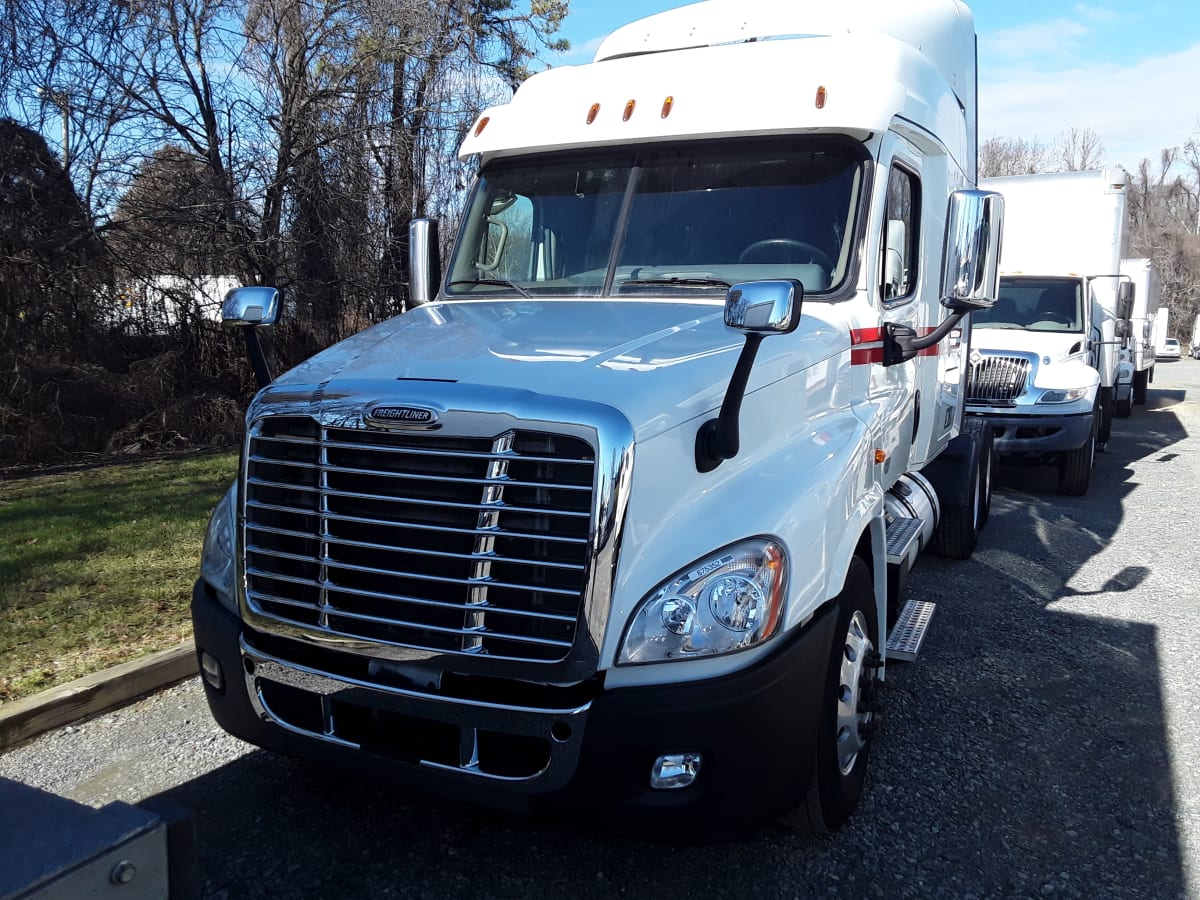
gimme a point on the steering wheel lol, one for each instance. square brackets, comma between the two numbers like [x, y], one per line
[814, 254]
[1053, 317]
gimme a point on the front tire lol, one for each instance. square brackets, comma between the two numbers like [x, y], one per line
[1124, 407]
[1141, 382]
[1075, 472]
[848, 713]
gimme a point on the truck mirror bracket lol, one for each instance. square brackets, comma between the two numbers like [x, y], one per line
[758, 308]
[900, 342]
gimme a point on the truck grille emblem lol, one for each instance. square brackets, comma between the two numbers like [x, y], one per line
[401, 417]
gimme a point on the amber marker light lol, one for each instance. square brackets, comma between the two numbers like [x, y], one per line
[667, 104]
[880, 456]
[482, 125]
[821, 95]
[774, 562]
[628, 110]
[592, 113]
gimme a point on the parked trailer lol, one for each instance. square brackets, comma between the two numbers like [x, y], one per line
[1046, 371]
[615, 521]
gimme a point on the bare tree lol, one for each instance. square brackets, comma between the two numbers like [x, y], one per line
[1012, 156]
[1077, 150]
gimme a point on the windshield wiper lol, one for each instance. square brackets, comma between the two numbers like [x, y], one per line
[498, 282]
[684, 281]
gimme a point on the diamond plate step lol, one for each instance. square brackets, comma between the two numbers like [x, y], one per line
[900, 536]
[904, 643]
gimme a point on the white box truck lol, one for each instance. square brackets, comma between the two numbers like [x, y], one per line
[1139, 348]
[1194, 346]
[616, 519]
[1045, 362]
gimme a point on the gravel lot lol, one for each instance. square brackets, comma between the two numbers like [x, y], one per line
[1044, 745]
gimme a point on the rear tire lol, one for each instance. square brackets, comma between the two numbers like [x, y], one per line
[958, 529]
[1075, 472]
[1106, 418]
[844, 732]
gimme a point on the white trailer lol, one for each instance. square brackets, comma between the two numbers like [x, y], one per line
[1139, 348]
[1194, 346]
[614, 522]
[1045, 373]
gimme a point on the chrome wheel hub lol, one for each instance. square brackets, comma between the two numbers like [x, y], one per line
[855, 685]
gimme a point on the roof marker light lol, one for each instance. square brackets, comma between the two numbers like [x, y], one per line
[482, 125]
[628, 110]
[821, 95]
[667, 104]
[592, 113]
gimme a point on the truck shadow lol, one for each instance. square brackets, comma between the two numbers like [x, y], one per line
[1048, 740]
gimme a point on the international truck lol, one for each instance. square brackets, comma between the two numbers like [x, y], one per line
[616, 520]
[1044, 370]
[1139, 348]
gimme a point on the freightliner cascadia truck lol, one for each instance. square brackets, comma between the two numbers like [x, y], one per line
[1046, 365]
[617, 519]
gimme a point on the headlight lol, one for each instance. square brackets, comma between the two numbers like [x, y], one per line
[1063, 396]
[216, 559]
[728, 601]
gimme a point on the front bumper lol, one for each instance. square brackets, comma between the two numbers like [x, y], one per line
[572, 751]
[1037, 434]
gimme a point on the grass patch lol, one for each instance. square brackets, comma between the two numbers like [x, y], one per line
[97, 566]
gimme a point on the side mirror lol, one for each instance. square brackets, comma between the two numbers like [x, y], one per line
[424, 261]
[764, 307]
[1122, 328]
[971, 258]
[250, 307]
[758, 308]
[1125, 295]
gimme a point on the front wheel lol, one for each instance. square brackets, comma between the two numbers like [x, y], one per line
[1125, 407]
[1075, 472]
[849, 712]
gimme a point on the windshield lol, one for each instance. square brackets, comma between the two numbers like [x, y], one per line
[1037, 304]
[684, 219]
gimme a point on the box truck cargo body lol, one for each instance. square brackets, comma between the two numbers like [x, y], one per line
[618, 518]
[1044, 370]
[1147, 293]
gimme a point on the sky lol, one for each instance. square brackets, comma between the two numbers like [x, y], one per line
[1129, 71]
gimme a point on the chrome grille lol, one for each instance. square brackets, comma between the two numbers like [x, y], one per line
[996, 379]
[418, 539]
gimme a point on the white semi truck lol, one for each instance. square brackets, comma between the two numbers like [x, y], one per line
[1139, 347]
[616, 520]
[1044, 369]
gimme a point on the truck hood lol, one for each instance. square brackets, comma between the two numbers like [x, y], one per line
[659, 363]
[1058, 346]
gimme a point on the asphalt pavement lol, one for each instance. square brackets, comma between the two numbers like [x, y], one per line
[1045, 744]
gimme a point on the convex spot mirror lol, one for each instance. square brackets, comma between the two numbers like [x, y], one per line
[971, 258]
[251, 306]
[764, 307]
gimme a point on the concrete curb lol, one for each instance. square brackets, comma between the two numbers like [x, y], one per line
[30, 716]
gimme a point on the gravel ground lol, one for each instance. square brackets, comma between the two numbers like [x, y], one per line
[1044, 745]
